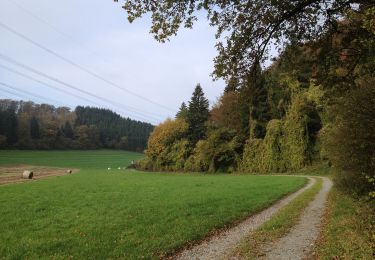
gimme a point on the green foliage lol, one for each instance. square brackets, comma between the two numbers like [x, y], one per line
[219, 152]
[27, 125]
[196, 161]
[288, 144]
[265, 155]
[352, 221]
[182, 112]
[350, 139]
[225, 112]
[273, 147]
[297, 142]
[170, 150]
[9, 125]
[67, 130]
[167, 146]
[258, 103]
[281, 111]
[34, 128]
[249, 27]
[252, 156]
[112, 127]
[197, 116]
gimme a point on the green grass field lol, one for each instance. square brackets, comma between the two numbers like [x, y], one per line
[99, 214]
[95, 159]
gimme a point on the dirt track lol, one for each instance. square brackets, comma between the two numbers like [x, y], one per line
[219, 246]
[13, 174]
[299, 242]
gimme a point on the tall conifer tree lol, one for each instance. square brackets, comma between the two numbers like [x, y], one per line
[182, 112]
[34, 128]
[68, 130]
[197, 115]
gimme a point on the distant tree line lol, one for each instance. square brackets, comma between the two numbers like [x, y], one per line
[26, 125]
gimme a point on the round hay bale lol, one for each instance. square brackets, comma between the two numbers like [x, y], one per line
[68, 171]
[27, 175]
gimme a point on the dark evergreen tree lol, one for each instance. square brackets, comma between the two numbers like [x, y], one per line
[259, 107]
[20, 122]
[34, 128]
[182, 112]
[9, 125]
[254, 105]
[197, 116]
[67, 130]
[112, 127]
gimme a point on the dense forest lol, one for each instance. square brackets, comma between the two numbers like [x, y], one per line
[26, 125]
[315, 103]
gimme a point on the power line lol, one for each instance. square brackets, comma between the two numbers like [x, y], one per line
[9, 29]
[54, 28]
[29, 93]
[67, 92]
[46, 84]
[14, 94]
[14, 62]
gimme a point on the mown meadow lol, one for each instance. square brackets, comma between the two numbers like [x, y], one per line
[100, 213]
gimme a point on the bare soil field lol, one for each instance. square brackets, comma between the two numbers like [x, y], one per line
[13, 173]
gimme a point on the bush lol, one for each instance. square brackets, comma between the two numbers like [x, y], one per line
[167, 148]
[297, 141]
[220, 152]
[350, 139]
[288, 144]
[253, 156]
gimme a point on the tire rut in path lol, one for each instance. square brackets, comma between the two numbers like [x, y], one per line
[299, 242]
[219, 246]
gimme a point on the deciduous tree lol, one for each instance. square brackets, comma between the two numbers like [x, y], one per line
[246, 30]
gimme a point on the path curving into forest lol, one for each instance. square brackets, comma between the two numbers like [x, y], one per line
[221, 245]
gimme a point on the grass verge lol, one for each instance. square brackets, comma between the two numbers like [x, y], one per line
[277, 226]
[348, 231]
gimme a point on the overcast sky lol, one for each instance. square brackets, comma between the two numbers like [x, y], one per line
[96, 36]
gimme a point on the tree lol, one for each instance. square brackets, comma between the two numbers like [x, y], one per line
[253, 104]
[123, 143]
[182, 112]
[111, 127]
[225, 112]
[350, 139]
[197, 116]
[9, 125]
[258, 106]
[67, 130]
[162, 143]
[219, 152]
[34, 128]
[250, 27]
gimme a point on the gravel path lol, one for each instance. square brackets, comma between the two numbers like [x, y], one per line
[218, 247]
[298, 243]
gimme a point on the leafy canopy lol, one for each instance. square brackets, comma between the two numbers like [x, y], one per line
[246, 29]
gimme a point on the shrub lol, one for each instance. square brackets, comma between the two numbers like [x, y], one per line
[218, 153]
[350, 139]
[167, 148]
[288, 143]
